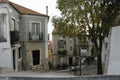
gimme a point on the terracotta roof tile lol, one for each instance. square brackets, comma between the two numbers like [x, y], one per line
[23, 10]
[3, 0]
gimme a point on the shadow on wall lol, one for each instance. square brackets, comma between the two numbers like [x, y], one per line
[3, 27]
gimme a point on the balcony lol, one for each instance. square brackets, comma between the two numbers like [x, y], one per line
[14, 36]
[62, 52]
[38, 37]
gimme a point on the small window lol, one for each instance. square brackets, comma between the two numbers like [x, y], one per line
[12, 28]
[17, 26]
[35, 28]
[3, 17]
[61, 44]
[70, 48]
[36, 31]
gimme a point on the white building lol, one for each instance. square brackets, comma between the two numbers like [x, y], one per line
[113, 63]
[23, 38]
[5, 47]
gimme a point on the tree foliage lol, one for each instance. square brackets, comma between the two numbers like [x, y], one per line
[63, 27]
[93, 17]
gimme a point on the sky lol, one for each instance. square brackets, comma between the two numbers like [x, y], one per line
[40, 6]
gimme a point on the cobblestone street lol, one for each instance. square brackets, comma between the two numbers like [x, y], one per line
[87, 70]
[38, 74]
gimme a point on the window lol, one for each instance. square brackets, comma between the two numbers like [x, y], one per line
[35, 28]
[83, 51]
[3, 27]
[61, 44]
[70, 39]
[12, 28]
[35, 31]
[70, 48]
[17, 26]
[3, 17]
[14, 25]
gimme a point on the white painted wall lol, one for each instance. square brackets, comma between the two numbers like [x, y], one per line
[5, 58]
[114, 57]
[69, 42]
[5, 49]
[46, 38]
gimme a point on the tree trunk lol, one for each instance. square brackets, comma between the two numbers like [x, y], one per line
[99, 58]
[99, 65]
[98, 48]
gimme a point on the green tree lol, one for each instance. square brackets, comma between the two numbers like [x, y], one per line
[93, 17]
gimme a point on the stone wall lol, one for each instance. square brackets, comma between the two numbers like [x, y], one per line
[61, 78]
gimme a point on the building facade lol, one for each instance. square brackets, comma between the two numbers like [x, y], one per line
[110, 50]
[69, 50]
[63, 51]
[23, 39]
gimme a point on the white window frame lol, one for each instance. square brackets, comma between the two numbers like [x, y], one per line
[12, 27]
[18, 25]
[35, 36]
[35, 22]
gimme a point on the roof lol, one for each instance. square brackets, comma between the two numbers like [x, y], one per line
[3, 1]
[24, 10]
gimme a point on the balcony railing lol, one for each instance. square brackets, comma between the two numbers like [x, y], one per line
[14, 36]
[33, 37]
[62, 52]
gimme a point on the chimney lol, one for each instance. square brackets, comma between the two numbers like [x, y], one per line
[46, 10]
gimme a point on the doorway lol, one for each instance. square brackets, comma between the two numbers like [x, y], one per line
[70, 61]
[14, 64]
[36, 57]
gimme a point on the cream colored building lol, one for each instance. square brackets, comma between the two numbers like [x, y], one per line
[63, 51]
[67, 49]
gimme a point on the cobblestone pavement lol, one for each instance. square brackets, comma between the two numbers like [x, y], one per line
[86, 70]
[89, 70]
[38, 74]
